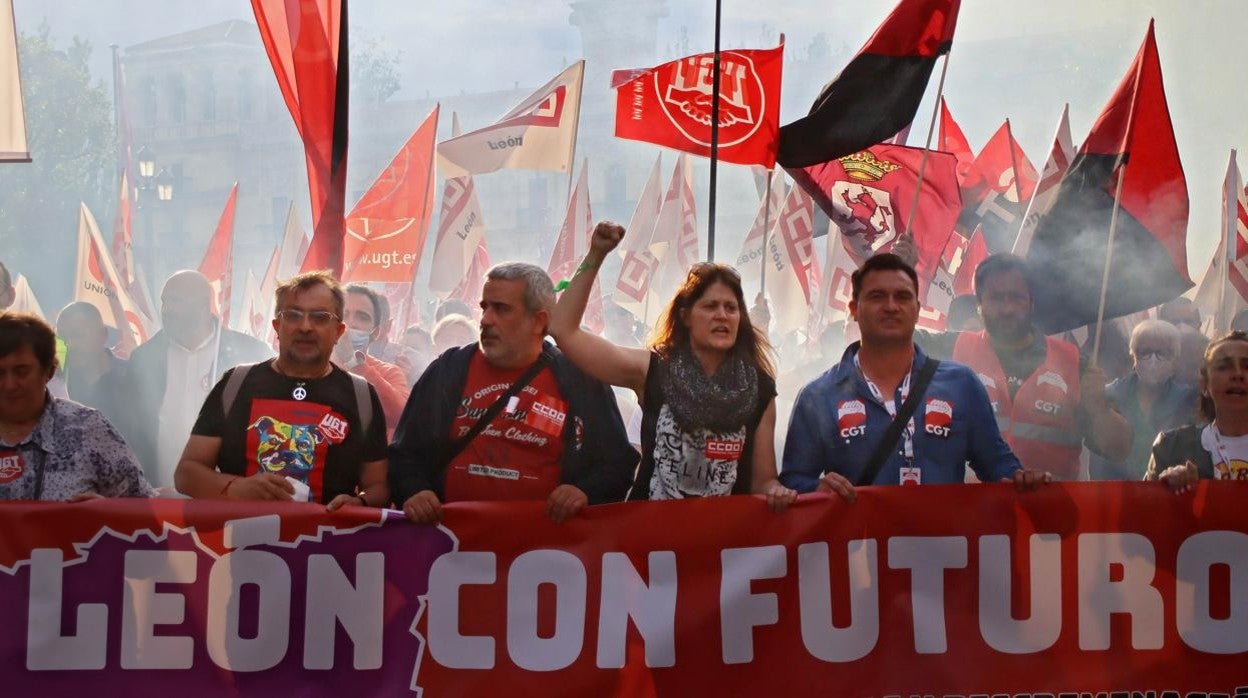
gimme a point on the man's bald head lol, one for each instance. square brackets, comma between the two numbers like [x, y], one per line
[188, 286]
[186, 307]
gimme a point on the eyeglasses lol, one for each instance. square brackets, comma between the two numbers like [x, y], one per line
[294, 316]
[1159, 354]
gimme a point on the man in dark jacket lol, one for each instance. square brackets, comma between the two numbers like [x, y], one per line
[172, 373]
[509, 418]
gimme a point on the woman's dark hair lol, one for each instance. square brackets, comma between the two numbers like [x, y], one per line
[671, 332]
[1206, 403]
[19, 330]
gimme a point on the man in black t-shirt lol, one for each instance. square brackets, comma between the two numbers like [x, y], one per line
[269, 430]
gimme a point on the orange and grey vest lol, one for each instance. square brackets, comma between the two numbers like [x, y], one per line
[1039, 423]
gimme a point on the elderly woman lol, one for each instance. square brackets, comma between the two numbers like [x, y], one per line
[51, 448]
[1220, 450]
[706, 385]
[1152, 398]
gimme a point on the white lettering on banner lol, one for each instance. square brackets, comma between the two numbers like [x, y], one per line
[652, 608]
[1193, 616]
[528, 649]
[46, 648]
[144, 609]
[740, 610]
[1100, 597]
[927, 558]
[446, 644]
[821, 637]
[271, 578]
[331, 601]
[997, 624]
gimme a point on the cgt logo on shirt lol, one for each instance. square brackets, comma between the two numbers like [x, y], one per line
[851, 418]
[937, 416]
[11, 467]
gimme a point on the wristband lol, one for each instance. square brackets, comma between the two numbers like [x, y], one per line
[585, 266]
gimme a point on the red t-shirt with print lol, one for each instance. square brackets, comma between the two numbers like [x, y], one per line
[516, 457]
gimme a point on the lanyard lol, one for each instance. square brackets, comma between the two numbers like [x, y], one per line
[890, 405]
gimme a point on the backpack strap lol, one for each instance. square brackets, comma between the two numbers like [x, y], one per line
[232, 385]
[363, 401]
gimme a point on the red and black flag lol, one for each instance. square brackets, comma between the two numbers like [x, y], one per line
[998, 191]
[307, 44]
[1133, 139]
[877, 94]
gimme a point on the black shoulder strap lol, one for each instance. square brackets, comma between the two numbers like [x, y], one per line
[363, 401]
[232, 386]
[885, 447]
[525, 378]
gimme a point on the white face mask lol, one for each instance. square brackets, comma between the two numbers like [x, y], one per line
[1154, 370]
[359, 339]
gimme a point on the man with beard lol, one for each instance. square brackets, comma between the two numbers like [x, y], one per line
[509, 417]
[297, 426]
[171, 373]
[1047, 401]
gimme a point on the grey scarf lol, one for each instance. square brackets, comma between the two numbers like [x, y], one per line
[720, 402]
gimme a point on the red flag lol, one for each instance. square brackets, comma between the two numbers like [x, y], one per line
[573, 244]
[670, 104]
[869, 196]
[218, 263]
[1060, 155]
[469, 288]
[952, 140]
[386, 230]
[877, 94]
[1235, 229]
[997, 198]
[972, 254]
[1132, 140]
[308, 50]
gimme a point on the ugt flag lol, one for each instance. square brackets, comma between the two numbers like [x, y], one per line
[1132, 140]
[670, 104]
[876, 95]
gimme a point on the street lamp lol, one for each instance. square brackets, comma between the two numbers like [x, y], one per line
[149, 184]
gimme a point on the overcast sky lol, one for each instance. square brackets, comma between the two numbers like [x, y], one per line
[480, 45]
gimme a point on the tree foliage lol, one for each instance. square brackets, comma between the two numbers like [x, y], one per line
[72, 146]
[374, 71]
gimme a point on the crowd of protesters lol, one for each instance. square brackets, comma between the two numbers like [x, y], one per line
[492, 409]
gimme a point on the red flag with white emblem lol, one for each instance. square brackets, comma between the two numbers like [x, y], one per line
[386, 230]
[671, 104]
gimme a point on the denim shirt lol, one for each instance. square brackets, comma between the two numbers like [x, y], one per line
[836, 424]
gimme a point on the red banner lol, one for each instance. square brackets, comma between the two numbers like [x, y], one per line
[670, 104]
[1077, 588]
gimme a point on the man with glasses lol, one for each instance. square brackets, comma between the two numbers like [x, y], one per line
[295, 427]
[1152, 398]
[171, 373]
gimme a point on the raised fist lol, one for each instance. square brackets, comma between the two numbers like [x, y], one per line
[607, 236]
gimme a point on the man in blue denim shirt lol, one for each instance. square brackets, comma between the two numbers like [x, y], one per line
[840, 417]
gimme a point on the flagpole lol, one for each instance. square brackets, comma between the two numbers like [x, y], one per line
[580, 89]
[927, 147]
[1109, 257]
[1018, 189]
[762, 277]
[1228, 251]
[710, 225]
